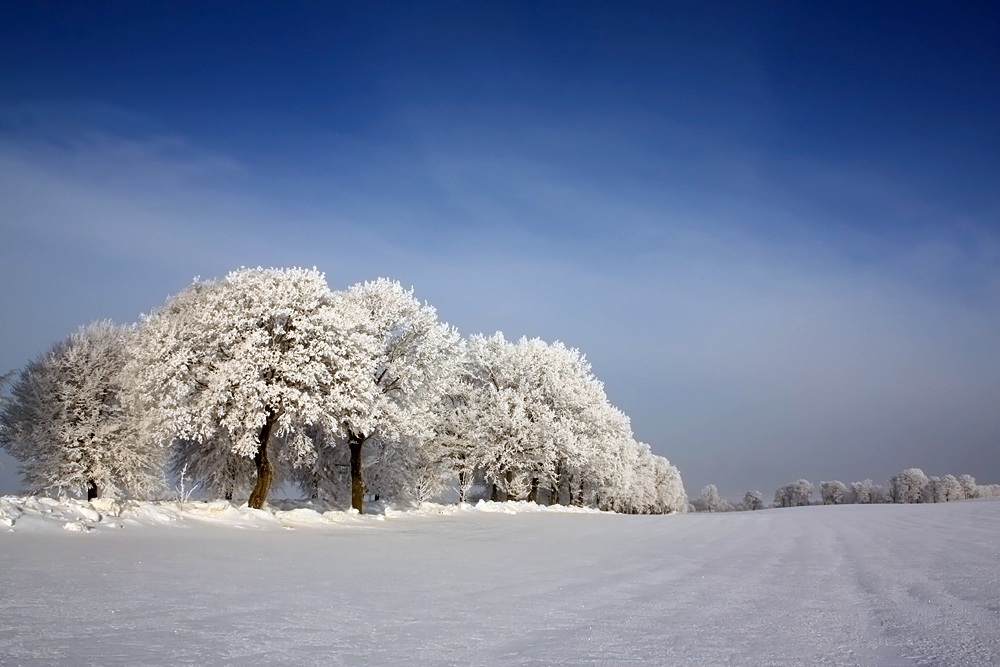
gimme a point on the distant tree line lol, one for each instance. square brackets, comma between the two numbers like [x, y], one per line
[909, 486]
[269, 377]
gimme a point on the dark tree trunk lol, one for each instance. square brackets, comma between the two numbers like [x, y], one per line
[92, 491]
[533, 494]
[494, 494]
[357, 485]
[265, 473]
[510, 482]
[576, 491]
[554, 489]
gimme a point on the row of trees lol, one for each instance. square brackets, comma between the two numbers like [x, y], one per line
[269, 377]
[909, 486]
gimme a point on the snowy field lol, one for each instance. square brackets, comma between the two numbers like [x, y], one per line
[209, 584]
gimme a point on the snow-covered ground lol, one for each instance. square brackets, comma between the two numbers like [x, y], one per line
[210, 584]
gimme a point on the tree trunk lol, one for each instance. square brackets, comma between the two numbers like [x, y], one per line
[494, 494]
[533, 494]
[554, 489]
[92, 491]
[576, 491]
[265, 473]
[462, 496]
[357, 485]
[510, 482]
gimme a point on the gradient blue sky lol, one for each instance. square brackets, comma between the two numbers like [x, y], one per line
[774, 231]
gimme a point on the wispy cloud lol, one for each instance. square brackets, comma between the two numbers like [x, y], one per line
[753, 338]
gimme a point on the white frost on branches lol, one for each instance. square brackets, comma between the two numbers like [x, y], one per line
[532, 419]
[68, 426]
[263, 347]
[406, 365]
[795, 494]
[268, 376]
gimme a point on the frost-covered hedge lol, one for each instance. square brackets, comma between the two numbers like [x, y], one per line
[268, 377]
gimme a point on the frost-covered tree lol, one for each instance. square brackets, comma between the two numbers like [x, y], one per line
[531, 420]
[948, 489]
[908, 486]
[834, 493]
[864, 492]
[753, 500]
[260, 358]
[670, 494]
[69, 427]
[710, 500]
[535, 417]
[514, 430]
[988, 491]
[5, 380]
[213, 466]
[454, 431]
[410, 367]
[969, 486]
[796, 494]
[647, 484]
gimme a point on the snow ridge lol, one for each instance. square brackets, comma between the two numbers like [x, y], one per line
[40, 513]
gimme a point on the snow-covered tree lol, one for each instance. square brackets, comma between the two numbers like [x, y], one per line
[864, 492]
[5, 380]
[969, 486]
[753, 500]
[453, 432]
[908, 486]
[948, 489]
[795, 494]
[531, 420]
[261, 358]
[68, 426]
[212, 465]
[515, 433]
[670, 494]
[834, 493]
[649, 484]
[409, 369]
[711, 501]
[536, 418]
[988, 491]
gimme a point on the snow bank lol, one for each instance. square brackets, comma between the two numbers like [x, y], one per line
[37, 513]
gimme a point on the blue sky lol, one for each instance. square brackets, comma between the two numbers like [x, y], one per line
[774, 231]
